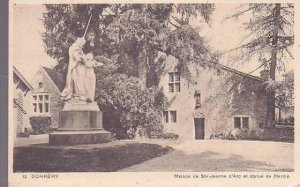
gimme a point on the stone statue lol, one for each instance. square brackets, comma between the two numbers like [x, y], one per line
[75, 70]
[90, 77]
[197, 96]
[80, 121]
[81, 80]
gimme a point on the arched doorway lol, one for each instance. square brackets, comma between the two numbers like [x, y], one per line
[199, 123]
[199, 128]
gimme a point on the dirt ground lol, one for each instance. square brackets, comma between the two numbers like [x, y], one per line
[222, 155]
[209, 155]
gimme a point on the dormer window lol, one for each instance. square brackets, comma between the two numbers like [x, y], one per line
[174, 82]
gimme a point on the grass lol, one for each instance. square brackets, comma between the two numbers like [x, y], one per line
[104, 158]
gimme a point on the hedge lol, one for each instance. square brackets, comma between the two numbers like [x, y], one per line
[40, 124]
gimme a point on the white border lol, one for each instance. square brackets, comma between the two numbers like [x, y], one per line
[151, 178]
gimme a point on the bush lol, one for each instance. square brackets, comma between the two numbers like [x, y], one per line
[24, 134]
[171, 136]
[129, 108]
[233, 134]
[276, 134]
[40, 124]
[218, 136]
[118, 133]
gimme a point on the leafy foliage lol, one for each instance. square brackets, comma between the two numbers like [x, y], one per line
[63, 23]
[269, 39]
[133, 32]
[128, 39]
[169, 135]
[129, 109]
[269, 28]
[24, 134]
[40, 124]
[285, 91]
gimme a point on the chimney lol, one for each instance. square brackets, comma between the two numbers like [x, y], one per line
[264, 75]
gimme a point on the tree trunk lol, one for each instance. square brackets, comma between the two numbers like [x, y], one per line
[271, 96]
[142, 65]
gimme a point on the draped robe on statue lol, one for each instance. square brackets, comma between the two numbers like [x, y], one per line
[90, 77]
[75, 82]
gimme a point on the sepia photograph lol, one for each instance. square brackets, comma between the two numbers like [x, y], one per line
[147, 87]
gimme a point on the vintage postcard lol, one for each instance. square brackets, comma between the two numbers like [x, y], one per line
[194, 93]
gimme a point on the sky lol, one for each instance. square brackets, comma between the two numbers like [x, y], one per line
[29, 51]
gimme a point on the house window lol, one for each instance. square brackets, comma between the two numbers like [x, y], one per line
[41, 85]
[245, 123]
[41, 103]
[166, 116]
[174, 82]
[241, 122]
[46, 107]
[172, 115]
[34, 108]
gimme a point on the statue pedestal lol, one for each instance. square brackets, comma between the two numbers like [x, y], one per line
[79, 123]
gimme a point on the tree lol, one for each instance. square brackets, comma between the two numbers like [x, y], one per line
[128, 39]
[285, 93]
[131, 33]
[63, 23]
[269, 40]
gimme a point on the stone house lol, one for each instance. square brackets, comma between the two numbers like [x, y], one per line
[21, 102]
[219, 101]
[48, 85]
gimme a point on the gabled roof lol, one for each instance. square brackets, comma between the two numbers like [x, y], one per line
[22, 78]
[226, 68]
[56, 78]
[239, 72]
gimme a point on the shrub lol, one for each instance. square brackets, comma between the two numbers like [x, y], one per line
[172, 136]
[218, 136]
[233, 134]
[40, 124]
[129, 107]
[24, 134]
[284, 134]
[276, 134]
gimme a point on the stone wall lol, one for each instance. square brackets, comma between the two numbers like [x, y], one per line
[50, 88]
[224, 95]
[22, 112]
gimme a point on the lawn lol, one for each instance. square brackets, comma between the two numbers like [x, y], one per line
[107, 157]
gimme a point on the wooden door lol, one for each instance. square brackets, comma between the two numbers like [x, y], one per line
[199, 128]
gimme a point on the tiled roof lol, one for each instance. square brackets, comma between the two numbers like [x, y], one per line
[56, 78]
[22, 78]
